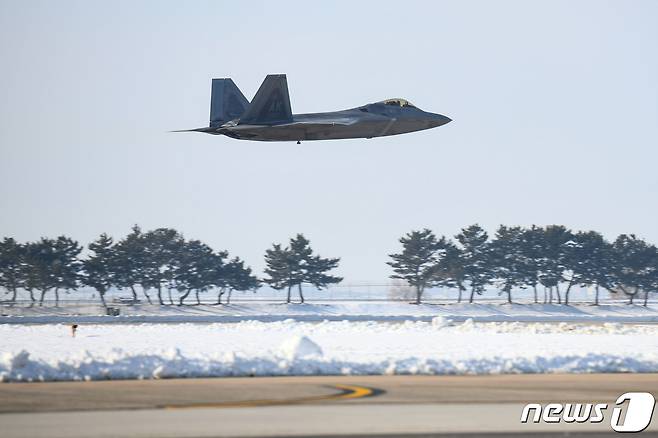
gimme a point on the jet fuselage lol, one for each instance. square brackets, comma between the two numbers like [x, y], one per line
[373, 120]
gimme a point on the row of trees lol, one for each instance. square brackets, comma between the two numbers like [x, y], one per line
[162, 260]
[521, 258]
[159, 260]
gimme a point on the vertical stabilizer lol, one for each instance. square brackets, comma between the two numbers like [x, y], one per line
[271, 105]
[226, 102]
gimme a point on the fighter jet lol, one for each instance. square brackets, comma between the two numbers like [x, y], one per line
[269, 117]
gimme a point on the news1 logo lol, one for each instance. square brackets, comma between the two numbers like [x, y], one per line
[638, 412]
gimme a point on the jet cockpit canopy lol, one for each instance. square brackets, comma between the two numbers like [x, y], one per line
[398, 102]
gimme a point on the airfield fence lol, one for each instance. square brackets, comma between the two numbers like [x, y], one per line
[365, 292]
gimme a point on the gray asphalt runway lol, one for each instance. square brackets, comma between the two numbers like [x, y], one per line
[306, 406]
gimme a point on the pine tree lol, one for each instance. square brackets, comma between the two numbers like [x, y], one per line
[533, 254]
[161, 247]
[99, 267]
[296, 264]
[317, 272]
[604, 268]
[68, 266]
[634, 265]
[508, 261]
[554, 247]
[12, 260]
[239, 278]
[194, 269]
[51, 264]
[300, 259]
[417, 262]
[220, 274]
[449, 271]
[130, 257]
[651, 277]
[586, 261]
[280, 269]
[476, 256]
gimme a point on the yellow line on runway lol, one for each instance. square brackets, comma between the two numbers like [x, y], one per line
[354, 391]
[347, 392]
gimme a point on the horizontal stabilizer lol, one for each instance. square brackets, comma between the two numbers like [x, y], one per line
[204, 129]
[271, 105]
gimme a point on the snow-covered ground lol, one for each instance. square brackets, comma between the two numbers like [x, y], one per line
[440, 346]
[333, 311]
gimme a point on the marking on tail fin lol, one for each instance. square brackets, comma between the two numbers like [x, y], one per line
[271, 104]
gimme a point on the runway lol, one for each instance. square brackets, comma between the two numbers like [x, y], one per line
[306, 406]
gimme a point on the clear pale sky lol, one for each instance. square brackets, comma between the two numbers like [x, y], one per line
[555, 108]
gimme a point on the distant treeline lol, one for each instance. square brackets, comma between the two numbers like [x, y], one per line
[162, 260]
[525, 258]
[159, 260]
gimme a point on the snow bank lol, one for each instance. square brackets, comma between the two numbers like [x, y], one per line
[300, 347]
[143, 366]
[48, 352]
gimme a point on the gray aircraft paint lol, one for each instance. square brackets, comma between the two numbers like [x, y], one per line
[269, 116]
[226, 102]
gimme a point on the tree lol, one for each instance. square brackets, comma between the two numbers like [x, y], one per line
[634, 264]
[194, 269]
[67, 268]
[476, 256]
[280, 269]
[161, 247]
[219, 274]
[12, 260]
[99, 267]
[238, 277]
[130, 263]
[417, 262]
[317, 272]
[300, 258]
[533, 254]
[175, 248]
[586, 261]
[450, 271]
[651, 280]
[51, 264]
[508, 259]
[552, 267]
[295, 264]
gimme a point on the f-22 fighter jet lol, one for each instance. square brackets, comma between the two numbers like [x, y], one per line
[269, 118]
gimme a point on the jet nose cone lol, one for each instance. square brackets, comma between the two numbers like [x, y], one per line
[438, 120]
